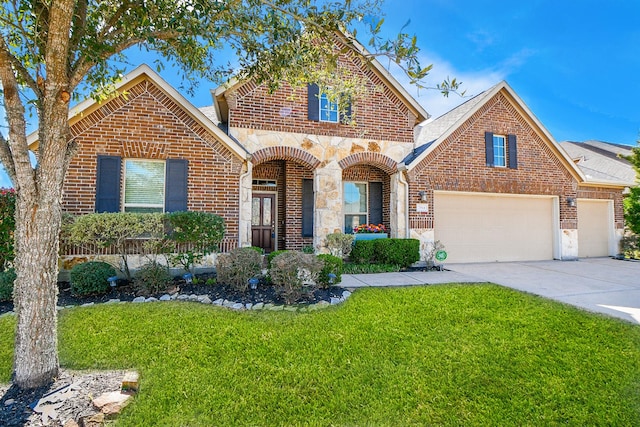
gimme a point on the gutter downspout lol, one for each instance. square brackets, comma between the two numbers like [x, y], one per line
[401, 169]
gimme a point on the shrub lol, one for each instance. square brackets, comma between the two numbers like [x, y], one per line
[402, 252]
[6, 284]
[199, 233]
[308, 249]
[363, 251]
[630, 245]
[7, 225]
[340, 244]
[152, 278]
[115, 229]
[272, 255]
[238, 266]
[368, 268]
[294, 272]
[331, 264]
[91, 278]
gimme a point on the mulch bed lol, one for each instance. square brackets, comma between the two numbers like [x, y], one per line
[126, 291]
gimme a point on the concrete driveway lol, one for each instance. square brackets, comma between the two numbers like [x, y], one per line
[601, 285]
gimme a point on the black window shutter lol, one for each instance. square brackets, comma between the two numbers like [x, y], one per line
[307, 208]
[513, 152]
[108, 184]
[375, 203]
[313, 102]
[488, 145]
[346, 116]
[175, 185]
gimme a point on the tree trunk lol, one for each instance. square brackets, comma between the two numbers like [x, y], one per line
[36, 291]
[38, 221]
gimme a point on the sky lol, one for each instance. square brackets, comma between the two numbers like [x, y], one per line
[575, 63]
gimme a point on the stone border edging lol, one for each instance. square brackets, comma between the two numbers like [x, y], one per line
[232, 305]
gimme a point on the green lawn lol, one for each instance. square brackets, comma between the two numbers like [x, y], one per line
[445, 355]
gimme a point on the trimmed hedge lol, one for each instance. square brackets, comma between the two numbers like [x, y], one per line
[402, 252]
[363, 251]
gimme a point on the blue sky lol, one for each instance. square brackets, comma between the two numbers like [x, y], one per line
[575, 63]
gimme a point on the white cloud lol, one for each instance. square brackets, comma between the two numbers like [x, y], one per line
[473, 81]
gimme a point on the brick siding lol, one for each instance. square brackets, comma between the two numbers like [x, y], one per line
[459, 164]
[149, 125]
[380, 114]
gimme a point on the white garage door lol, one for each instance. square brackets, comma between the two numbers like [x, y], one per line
[485, 228]
[594, 227]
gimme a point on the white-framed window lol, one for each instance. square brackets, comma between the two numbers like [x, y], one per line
[144, 185]
[499, 151]
[356, 205]
[328, 109]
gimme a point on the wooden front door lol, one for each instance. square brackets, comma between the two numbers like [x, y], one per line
[263, 221]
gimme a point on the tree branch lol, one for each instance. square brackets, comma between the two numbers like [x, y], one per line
[14, 153]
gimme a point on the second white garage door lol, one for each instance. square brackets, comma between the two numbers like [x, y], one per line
[595, 225]
[478, 227]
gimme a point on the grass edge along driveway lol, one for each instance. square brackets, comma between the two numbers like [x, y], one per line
[446, 355]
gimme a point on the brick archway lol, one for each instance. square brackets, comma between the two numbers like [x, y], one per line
[387, 164]
[285, 153]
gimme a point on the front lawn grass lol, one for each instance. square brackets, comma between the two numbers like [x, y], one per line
[444, 355]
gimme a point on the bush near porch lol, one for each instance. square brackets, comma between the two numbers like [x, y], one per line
[400, 252]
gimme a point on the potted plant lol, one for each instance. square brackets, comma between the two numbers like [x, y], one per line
[370, 232]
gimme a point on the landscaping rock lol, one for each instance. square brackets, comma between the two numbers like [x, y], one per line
[248, 306]
[113, 301]
[237, 306]
[183, 297]
[268, 306]
[227, 303]
[138, 299]
[335, 301]
[290, 308]
[219, 302]
[346, 294]
[112, 402]
[151, 299]
[89, 304]
[165, 297]
[204, 299]
[277, 308]
[258, 306]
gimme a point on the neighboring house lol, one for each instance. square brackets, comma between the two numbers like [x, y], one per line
[486, 179]
[602, 161]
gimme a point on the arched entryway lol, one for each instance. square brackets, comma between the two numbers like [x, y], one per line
[282, 199]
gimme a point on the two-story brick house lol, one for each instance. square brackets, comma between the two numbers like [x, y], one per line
[487, 179]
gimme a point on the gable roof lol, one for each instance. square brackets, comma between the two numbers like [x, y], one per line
[435, 132]
[221, 108]
[139, 74]
[602, 161]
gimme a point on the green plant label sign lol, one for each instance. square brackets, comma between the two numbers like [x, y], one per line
[441, 255]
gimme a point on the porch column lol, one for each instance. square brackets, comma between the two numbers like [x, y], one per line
[398, 208]
[244, 219]
[328, 218]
